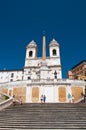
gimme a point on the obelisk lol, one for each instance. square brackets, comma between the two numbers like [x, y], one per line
[44, 48]
[43, 68]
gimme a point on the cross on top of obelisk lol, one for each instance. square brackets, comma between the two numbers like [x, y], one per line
[43, 32]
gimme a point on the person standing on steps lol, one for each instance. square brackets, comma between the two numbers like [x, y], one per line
[72, 99]
[20, 100]
[14, 103]
[44, 98]
[69, 97]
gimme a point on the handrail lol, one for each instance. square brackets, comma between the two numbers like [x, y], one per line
[6, 103]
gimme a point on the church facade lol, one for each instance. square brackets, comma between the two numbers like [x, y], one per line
[41, 76]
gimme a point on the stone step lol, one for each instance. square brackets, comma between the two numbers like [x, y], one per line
[15, 122]
[44, 116]
[52, 104]
[46, 107]
[45, 126]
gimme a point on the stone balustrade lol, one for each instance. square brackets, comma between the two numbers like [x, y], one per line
[48, 81]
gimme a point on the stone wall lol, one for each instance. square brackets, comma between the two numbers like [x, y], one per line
[20, 92]
[77, 92]
[62, 94]
[35, 94]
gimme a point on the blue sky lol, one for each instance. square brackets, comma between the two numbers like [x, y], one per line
[24, 20]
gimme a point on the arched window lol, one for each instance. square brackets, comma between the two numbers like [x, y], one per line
[12, 74]
[30, 53]
[54, 52]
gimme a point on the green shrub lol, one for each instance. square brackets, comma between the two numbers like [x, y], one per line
[6, 97]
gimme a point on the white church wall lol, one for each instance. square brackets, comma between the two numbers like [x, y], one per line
[53, 61]
[28, 94]
[49, 93]
[34, 75]
[4, 77]
[8, 76]
[43, 75]
[60, 74]
[33, 62]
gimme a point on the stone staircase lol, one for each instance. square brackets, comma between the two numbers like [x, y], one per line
[44, 116]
